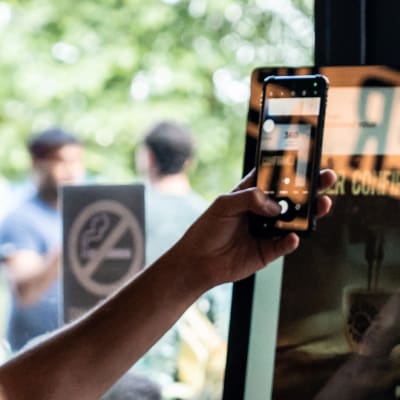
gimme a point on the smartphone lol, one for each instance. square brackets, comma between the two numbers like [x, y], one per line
[289, 151]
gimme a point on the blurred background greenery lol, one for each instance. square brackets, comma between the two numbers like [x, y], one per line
[108, 69]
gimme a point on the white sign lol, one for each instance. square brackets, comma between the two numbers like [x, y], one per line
[93, 239]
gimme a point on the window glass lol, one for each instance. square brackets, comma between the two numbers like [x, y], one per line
[108, 71]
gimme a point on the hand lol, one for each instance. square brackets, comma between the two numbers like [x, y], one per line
[220, 241]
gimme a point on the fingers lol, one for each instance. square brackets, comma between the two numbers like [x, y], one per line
[327, 178]
[246, 182]
[241, 201]
[246, 198]
[282, 247]
[286, 245]
[324, 206]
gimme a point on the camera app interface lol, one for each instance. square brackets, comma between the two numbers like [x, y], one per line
[286, 144]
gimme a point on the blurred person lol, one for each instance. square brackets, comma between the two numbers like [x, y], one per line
[171, 205]
[78, 362]
[133, 386]
[12, 194]
[30, 237]
[6, 196]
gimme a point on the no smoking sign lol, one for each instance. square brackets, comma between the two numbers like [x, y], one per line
[103, 242]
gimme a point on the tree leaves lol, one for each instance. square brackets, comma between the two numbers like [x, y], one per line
[109, 69]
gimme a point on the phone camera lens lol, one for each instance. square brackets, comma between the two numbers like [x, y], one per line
[315, 84]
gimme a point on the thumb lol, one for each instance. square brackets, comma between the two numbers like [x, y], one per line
[251, 199]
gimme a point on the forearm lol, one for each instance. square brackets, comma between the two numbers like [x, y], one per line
[86, 358]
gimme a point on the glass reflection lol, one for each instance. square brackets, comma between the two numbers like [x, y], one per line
[339, 318]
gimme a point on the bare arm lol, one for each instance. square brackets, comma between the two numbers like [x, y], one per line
[86, 358]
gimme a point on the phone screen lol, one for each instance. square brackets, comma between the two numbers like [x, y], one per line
[289, 149]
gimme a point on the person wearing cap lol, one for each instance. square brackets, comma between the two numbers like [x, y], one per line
[30, 237]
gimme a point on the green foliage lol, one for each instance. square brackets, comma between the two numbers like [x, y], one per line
[108, 69]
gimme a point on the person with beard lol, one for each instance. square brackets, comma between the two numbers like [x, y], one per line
[30, 237]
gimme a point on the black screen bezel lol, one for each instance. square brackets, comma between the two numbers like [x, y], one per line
[297, 84]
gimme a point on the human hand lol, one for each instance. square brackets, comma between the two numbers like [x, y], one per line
[219, 242]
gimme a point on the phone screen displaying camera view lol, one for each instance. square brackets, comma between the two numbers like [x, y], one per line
[289, 149]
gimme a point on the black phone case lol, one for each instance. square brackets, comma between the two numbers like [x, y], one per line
[256, 222]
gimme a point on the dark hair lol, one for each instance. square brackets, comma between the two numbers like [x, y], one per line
[43, 144]
[133, 386]
[172, 146]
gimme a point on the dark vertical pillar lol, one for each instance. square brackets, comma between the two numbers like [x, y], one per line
[239, 336]
[340, 32]
[357, 32]
[383, 24]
